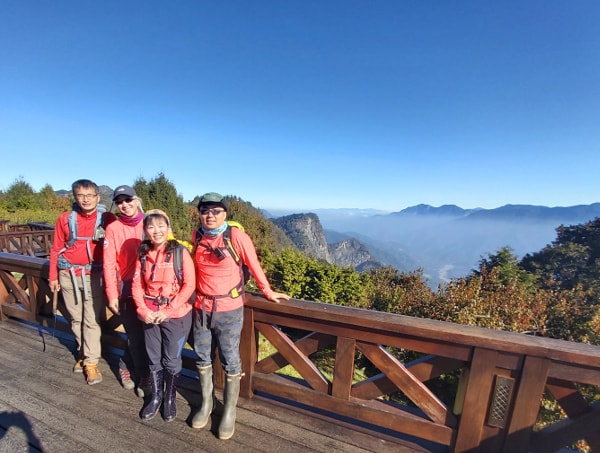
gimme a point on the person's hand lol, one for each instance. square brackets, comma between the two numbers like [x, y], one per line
[54, 286]
[161, 316]
[274, 297]
[150, 318]
[113, 305]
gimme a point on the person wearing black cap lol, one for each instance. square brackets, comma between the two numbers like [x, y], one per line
[219, 306]
[120, 255]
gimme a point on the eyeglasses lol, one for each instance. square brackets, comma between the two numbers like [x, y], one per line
[213, 211]
[86, 196]
[124, 200]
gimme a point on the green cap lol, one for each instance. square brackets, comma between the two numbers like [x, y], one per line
[212, 198]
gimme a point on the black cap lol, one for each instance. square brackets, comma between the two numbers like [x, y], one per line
[124, 190]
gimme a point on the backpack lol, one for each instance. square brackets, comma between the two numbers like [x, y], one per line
[244, 270]
[177, 263]
[98, 229]
[99, 232]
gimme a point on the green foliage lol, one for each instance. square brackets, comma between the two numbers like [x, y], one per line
[19, 196]
[570, 269]
[160, 193]
[403, 293]
[20, 204]
[303, 277]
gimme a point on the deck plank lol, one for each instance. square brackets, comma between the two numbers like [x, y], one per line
[44, 406]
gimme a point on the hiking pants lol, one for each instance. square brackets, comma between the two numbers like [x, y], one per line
[84, 316]
[165, 341]
[134, 357]
[225, 334]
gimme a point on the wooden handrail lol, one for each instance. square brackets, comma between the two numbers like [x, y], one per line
[503, 376]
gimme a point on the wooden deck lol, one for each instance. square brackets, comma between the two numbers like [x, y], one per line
[45, 407]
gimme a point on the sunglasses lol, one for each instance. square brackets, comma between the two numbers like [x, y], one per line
[213, 211]
[124, 200]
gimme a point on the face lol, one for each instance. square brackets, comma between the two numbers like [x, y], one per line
[212, 217]
[87, 199]
[128, 206]
[157, 230]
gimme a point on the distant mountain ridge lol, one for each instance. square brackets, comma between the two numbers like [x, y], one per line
[448, 241]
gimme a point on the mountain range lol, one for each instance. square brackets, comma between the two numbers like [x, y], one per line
[446, 242]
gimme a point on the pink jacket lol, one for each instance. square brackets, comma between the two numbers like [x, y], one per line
[217, 277]
[120, 254]
[159, 279]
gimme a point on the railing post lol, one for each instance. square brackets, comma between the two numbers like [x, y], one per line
[477, 397]
[532, 383]
[248, 352]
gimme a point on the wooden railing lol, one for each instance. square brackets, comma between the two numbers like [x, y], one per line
[33, 239]
[502, 377]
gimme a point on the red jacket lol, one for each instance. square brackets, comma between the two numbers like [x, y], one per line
[217, 277]
[77, 254]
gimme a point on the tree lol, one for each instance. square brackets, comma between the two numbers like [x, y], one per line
[160, 193]
[19, 196]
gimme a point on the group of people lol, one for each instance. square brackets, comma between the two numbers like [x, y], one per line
[131, 263]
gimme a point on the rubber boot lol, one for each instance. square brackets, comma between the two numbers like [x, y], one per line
[170, 405]
[230, 399]
[201, 417]
[151, 409]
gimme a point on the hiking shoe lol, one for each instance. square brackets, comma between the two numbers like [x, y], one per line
[145, 387]
[125, 378]
[92, 374]
[78, 367]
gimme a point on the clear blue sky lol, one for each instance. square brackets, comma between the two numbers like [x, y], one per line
[306, 104]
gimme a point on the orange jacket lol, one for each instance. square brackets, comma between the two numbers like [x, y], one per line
[120, 254]
[215, 277]
[159, 279]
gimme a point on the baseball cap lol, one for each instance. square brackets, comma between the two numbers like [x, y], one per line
[212, 198]
[124, 190]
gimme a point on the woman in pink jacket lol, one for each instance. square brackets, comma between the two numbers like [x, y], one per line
[162, 300]
[121, 243]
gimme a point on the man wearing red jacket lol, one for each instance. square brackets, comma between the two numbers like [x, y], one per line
[219, 306]
[76, 269]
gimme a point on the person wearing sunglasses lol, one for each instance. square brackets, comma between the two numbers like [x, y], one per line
[76, 270]
[121, 243]
[219, 306]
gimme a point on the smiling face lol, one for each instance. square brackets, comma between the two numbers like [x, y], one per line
[212, 216]
[128, 206]
[157, 229]
[87, 198]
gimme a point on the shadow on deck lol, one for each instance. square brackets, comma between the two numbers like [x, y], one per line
[45, 407]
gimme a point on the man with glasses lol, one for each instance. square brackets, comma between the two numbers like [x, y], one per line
[219, 306]
[76, 270]
[121, 243]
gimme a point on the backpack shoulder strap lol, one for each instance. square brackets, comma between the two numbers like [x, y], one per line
[229, 244]
[178, 263]
[72, 222]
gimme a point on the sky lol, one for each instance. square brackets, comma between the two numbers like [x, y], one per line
[307, 104]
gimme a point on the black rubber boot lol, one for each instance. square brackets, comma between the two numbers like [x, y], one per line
[170, 399]
[151, 409]
[230, 399]
[202, 417]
